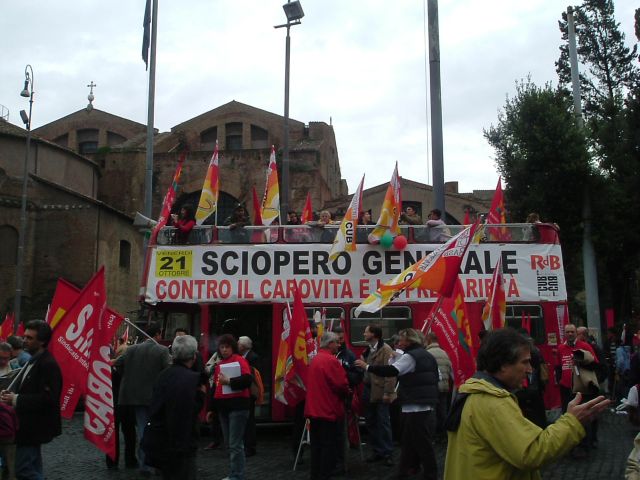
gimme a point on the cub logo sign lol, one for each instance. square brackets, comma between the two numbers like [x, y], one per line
[174, 263]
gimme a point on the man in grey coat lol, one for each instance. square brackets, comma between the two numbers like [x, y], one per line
[140, 366]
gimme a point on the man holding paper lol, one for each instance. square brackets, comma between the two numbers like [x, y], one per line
[232, 379]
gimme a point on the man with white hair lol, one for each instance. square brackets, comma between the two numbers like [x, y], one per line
[170, 439]
[327, 387]
[245, 348]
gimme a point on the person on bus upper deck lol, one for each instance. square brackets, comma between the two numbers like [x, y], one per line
[292, 218]
[184, 223]
[410, 217]
[239, 218]
[441, 233]
[365, 218]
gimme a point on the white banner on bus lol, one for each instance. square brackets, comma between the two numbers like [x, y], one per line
[266, 273]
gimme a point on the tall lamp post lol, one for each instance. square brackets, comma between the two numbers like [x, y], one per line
[27, 92]
[293, 11]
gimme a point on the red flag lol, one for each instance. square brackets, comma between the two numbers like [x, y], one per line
[169, 198]
[20, 332]
[494, 311]
[450, 321]
[498, 214]
[6, 329]
[467, 218]
[307, 212]
[257, 209]
[63, 298]
[301, 342]
[99, 419]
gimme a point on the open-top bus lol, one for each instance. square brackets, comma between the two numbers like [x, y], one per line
[239, 281]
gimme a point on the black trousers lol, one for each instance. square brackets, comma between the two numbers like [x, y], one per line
[418, 432]
[325, 437]
[181, 467]
[125, 420]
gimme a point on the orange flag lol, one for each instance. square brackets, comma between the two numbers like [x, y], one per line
[498, 214]
[208, 203]
[390, 211]
[271, 199]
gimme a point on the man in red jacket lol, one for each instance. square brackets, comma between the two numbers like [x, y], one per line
[566, 362]
[326, 388]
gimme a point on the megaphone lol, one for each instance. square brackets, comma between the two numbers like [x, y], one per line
[143, 222]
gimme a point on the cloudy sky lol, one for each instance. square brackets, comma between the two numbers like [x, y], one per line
[358, 63]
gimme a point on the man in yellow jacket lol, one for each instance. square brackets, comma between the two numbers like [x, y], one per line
[489, 438]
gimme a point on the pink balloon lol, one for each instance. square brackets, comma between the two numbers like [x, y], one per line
[400, 242]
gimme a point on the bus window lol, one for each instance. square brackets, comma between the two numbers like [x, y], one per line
[178, 320]
[516, 313]
[390, 319]
[329, 316]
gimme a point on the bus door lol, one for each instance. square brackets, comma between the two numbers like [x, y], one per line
[253, 321]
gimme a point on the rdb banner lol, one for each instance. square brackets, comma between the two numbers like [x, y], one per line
[266, 273]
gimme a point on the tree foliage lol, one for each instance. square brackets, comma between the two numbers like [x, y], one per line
[543, 158]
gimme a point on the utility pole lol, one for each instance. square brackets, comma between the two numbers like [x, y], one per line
[435, 93]
[588, 256]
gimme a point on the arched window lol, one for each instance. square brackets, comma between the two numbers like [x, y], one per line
[208, 138]
[9, 242]
[259, 137]
[125, 254]
[88, 140]
[233, 136]
[115, 139]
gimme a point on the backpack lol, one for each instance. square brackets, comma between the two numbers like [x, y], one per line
[257, 387]
[8, 422]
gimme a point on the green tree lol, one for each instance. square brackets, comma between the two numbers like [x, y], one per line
[543, 158]
[610, 83]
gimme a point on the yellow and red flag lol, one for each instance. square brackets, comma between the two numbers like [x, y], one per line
[494, 311]
[390, 212]
[271, 199]
[436, 272]
[296, 345]
[449, 320]
[208, 204]
[307, 212]
[497, 215]
[345, 240]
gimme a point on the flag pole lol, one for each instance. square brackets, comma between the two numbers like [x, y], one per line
[129, 322]
[148, 183]
[429, 319]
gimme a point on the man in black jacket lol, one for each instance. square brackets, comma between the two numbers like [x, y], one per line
[177, 399]
[417, 372]
[35, 394]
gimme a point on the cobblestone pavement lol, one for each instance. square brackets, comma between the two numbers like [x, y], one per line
[71, 456]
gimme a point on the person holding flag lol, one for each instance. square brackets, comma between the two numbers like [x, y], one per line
[35, 395]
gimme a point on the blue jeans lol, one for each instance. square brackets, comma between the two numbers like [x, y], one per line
[379, 426]
[142, 417]
[233, 423]
[29, 462]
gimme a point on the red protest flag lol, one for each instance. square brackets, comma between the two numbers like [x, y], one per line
[99, 415]
[257, 235]
[20, 332]
[64, 297]
[467, 218]
[307, 212]
[169, 198]
[494, 311]
[301, 342]
[6, 329]
[450, 321]
[498, 215]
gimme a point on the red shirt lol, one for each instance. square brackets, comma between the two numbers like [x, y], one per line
[565, 356]
[326, 387]
[244, 370]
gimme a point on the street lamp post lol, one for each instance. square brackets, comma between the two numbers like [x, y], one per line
[293, 11]
[27, 92]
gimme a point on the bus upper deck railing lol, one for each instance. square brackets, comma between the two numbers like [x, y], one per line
[301, 234]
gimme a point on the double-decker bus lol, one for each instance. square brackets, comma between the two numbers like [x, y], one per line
[240, 280]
